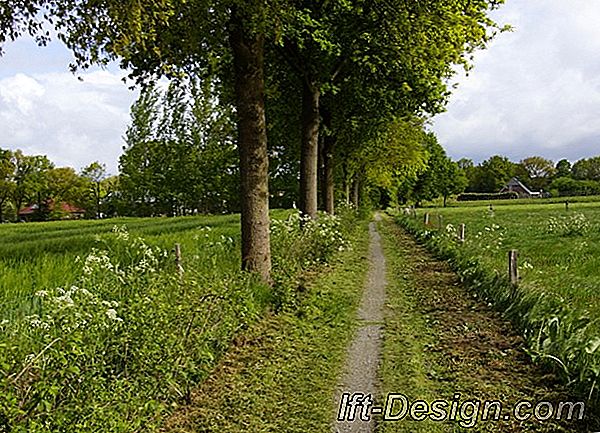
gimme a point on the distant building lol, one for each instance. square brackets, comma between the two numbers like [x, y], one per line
[62, 210]
[515, 185]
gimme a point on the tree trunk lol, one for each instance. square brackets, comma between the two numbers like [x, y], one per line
[328, 164]
[355, 192]
[310, 149]
[248, 50]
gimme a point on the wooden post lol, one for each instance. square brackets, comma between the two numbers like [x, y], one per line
[513, 267]
[440, 222]
[178, 260]
[426, 218]
[461, 233]
[566, 205]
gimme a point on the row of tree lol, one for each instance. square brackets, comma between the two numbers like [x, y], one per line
[537, 173]
[350, 80]
[34, 180]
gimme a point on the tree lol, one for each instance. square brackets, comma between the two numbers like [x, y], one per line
[587, 169]
[180, 153]
[406, 49]
[94, 175]
[441, 177]
[538, 170]
[7, 169]
[492, 174]
[563, 168]
[154, 38]
[30, 179]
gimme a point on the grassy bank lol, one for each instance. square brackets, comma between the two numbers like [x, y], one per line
[281, 374]
[124, 336]
[556, 305]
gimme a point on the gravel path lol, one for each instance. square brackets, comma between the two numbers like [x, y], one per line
[364, 354]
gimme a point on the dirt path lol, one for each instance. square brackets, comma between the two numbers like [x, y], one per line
[440, 339]
[362, 364]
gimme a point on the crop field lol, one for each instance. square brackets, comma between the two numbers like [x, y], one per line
[557, 302]
[41, 256]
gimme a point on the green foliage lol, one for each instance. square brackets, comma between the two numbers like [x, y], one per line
[301, 242]
[180, 156]
[124, 338]
[566, 186]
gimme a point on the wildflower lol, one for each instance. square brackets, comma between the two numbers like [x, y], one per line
[112, 315]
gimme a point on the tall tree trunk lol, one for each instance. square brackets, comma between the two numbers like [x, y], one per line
[310, 149]
[355, 192]
[248, 51]
[328, 164]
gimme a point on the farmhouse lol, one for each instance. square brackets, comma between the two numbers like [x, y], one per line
[515, 185]
[62, 210]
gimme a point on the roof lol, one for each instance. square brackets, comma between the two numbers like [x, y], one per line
[65, 207]
[514, 182]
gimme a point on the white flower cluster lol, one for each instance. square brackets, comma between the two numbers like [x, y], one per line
[66, 310]
[577, 224]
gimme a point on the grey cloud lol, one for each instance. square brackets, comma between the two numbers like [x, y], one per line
[535, 90]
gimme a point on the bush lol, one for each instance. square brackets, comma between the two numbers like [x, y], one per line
[473, 196]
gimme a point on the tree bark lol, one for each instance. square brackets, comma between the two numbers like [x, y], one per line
[310, 149]
[328, 165]
[248, 52]
[355, 192]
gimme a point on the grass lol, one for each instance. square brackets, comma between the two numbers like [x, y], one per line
[441, 339]
[98, 330]
[281, 375]
[556, 305]
[511, 202]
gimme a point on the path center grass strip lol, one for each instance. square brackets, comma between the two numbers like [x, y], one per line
[281, 375]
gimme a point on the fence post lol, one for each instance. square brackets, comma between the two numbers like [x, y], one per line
[461, 233]
[440, 221]
[566, 205]
[513, 267]
[178, 260]
[426, 218]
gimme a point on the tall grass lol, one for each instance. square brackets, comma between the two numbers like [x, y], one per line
[108, 335]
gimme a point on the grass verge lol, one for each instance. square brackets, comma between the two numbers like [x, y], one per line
[279, 376]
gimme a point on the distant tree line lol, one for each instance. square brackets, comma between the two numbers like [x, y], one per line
[34, 180]
[537, 173]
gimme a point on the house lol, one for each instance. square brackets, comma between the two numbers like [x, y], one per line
[515, 185]
[62, 210]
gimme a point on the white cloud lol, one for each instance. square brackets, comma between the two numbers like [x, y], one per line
[73, 122]
[535, 90]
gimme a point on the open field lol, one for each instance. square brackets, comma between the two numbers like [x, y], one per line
[41, 256]
[532, 201]
[557, 303]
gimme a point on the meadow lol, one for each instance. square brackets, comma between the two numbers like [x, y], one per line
[557, 302]
[101, 331]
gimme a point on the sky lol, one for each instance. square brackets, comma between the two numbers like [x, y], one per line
[533, 91]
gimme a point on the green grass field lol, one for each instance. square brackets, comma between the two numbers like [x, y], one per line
[557, 303]
[42, 256]
[563, 261]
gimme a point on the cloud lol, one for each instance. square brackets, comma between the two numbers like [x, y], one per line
[535, 90]
[73, 122]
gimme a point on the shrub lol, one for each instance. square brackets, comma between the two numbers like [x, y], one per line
[472, 196]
